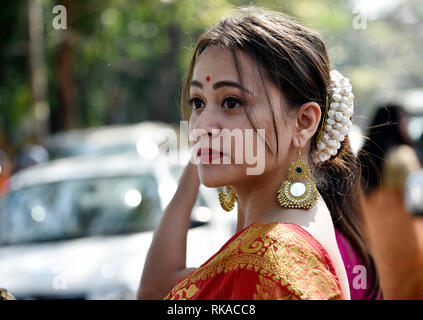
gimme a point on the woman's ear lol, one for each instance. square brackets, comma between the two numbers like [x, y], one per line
[308, 118]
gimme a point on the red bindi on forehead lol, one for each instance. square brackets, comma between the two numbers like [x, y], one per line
[207, 78]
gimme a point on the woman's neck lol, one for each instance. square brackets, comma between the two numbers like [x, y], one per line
[257, 199]
[257, 202]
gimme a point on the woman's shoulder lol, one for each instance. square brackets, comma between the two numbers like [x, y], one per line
[282, 235]
[299, 260]
[399, 162]
[316, 226]
[404, 156]
[286, 238]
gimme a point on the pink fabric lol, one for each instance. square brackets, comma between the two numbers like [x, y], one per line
[355, 268]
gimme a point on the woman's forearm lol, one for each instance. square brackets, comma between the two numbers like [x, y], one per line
[166, 259]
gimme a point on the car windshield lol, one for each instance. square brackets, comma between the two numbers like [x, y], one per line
[80, 208]
[64, 151]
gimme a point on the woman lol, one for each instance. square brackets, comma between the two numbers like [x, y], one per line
[259, 70]
[387, 139]
[395, 236]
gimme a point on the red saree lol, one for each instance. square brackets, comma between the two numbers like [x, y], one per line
[264, 261]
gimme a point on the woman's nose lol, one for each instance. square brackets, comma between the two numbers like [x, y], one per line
[211, 131]
[207, 123]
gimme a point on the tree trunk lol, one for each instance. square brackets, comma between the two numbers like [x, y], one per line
[38, 73]
[66, 86]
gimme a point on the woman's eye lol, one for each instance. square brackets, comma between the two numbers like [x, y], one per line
[232, 103]
[196, 103]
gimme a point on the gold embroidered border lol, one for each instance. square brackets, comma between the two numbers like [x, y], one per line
[277, 253]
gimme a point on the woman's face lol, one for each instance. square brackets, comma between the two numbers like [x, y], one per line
[219, 102]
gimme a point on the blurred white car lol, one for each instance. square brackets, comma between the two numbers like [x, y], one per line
[109, 140]
[81, 227]
[144, 138]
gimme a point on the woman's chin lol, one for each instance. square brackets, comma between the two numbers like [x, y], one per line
[211, 183]
[212, 177]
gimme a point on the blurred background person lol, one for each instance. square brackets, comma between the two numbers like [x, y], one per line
[395, 236]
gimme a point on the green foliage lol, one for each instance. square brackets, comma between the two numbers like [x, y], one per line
[128, 57]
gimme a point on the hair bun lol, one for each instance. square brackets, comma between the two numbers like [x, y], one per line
[338, 122]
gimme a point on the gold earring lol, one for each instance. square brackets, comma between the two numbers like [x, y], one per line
[293, 193]
[227, 200]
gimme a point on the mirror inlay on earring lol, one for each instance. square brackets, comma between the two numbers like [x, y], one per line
[293, 192]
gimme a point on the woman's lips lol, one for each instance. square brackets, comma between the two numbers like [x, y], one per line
[208, 154]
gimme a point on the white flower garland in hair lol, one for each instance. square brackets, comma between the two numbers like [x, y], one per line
[338, 122]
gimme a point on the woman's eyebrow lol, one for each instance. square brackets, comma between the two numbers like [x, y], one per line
[220, 84]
